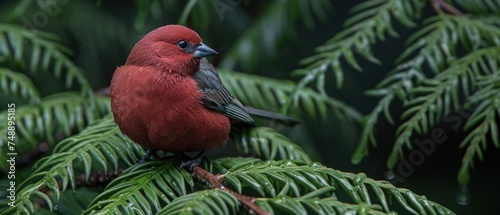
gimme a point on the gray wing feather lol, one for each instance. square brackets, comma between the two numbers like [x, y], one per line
[215, 95]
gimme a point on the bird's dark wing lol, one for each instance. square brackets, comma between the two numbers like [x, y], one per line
[215, 95]
[285, 120]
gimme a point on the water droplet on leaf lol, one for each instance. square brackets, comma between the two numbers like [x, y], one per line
[463, 195]
[390, 175]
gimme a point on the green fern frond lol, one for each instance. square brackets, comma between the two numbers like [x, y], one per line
[437, 96]
[16, 84]
[203, 202]
[368, 128]
[143, 188]
[286, 178]
[436, 43]
[100, 143]
[372, 21]
[435, 46]
[322, 206]
[399, 81]
[53, 116]
[262, 92]
[480, 7]
[158, 186]
[267, 144]
[42, 49]
[439, 37]
[277, 24]
[481, 124]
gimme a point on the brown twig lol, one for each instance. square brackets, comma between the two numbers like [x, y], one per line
[213, 181]
[437, 5]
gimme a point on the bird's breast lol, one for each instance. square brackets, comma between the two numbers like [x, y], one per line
[164, 111]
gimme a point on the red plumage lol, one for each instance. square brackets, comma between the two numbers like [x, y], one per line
[168, 97]
[155, 100]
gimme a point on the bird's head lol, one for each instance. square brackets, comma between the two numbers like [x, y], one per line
[174, 48]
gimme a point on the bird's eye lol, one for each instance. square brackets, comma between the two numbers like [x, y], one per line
[182, 44]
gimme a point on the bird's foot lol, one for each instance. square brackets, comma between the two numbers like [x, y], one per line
[191, 163]
[149, 152]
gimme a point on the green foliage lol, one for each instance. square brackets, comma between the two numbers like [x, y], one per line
[157, 185]
[437, 96]
[48, 118]
[321, 206]
[151, 185]
[52, 117]
[481, 124]
[141, 188]
[17, 84]
[101, 143]
[287, 179]
[203, 202]
[446, 59]
[274, 27]
[262, 92]
[371, 22]
[480, 7]
[142, 11]
[40, 49]
[267, 144]
[283, 178]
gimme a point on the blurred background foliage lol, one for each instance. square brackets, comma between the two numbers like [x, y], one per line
[389, 72]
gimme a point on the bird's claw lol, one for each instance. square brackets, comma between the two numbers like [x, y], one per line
[149, 152]
[191, 163]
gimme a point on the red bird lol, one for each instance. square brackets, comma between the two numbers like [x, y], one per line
[168, 97]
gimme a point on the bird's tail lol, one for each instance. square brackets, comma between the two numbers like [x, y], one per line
[286, 120]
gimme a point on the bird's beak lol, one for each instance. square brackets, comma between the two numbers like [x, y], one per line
[202, 51]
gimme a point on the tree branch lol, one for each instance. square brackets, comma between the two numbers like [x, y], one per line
[213, 181]
[437, 5]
